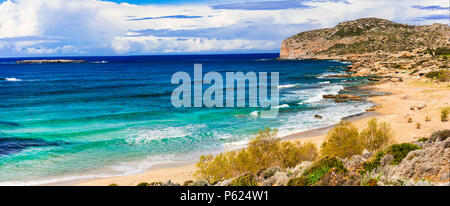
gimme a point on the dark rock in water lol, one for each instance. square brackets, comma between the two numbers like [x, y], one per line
[342, 97]
[340, 100]
[318, 116]
[374, 80]
[15, 145]
[329, 96]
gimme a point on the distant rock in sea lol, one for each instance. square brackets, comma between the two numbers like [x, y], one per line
[46, 61]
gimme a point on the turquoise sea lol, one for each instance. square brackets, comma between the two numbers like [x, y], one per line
[113, 115]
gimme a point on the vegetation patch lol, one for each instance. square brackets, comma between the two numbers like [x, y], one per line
[298, 181]
[245, 180]
[264, 151]
[399, 151]
[376, 135]
[342, 141]
[442, 75]
[321, 167]
[444, 114]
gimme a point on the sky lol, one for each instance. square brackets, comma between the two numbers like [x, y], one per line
[31, 28]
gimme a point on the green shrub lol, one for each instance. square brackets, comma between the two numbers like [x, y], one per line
[410, 120]
[376, 136]
[321, 167]
[444, 114]
[423, 139]
[427, 119]
[418, 125]
[442, 75]
[342, 141]
[143, 184]
[298, 181]
[374, 162]
[113, 184]
[398, 151]
[264, 151]
[292, 154]
[245, 180]
[442, 51]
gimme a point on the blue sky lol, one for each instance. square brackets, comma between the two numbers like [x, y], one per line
[140, 27]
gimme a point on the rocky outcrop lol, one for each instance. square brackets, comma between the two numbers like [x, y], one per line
[364, 36]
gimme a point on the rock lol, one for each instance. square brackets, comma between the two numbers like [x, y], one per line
[386, 159]
[300, 168]
[329, 96]
[170, 183]
[224, 183]
[431, 163]
[342, 97]
[318, 116]
[440, 135]
[270, 172]
[374, 80]
[354, 162]
[418, 107]
[405, 97]
[366, 154]
[445, 177]
[340, 100]
[200, 183]
[278, 179]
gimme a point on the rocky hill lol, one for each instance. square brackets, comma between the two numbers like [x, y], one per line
[364, 35]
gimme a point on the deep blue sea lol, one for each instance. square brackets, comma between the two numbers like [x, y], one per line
[114, 116]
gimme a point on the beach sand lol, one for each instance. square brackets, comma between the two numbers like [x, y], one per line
[394, 109]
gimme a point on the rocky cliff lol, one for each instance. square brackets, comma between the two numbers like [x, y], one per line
[364, 35]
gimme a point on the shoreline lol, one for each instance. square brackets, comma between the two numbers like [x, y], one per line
[393, 108]
[184, 171]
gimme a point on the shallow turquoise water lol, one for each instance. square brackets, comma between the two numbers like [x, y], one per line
[113, 115]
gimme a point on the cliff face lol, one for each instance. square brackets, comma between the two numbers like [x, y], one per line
[363, 36]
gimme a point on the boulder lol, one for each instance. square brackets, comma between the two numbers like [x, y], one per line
[278, 179]
[270, 172]
[200, 183]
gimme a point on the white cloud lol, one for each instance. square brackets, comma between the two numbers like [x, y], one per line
[151, 44]
[99, 26]
[43, 50]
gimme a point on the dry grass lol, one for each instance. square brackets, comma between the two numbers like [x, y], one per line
[264, 151]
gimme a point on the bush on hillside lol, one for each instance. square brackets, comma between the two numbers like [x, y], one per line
[264, 151]
[376, 135]
[342, 141]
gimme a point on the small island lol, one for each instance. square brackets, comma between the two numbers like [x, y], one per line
[48, 61]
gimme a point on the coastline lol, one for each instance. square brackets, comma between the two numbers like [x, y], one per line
[394, 108]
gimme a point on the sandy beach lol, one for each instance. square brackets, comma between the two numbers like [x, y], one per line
[395, 108]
